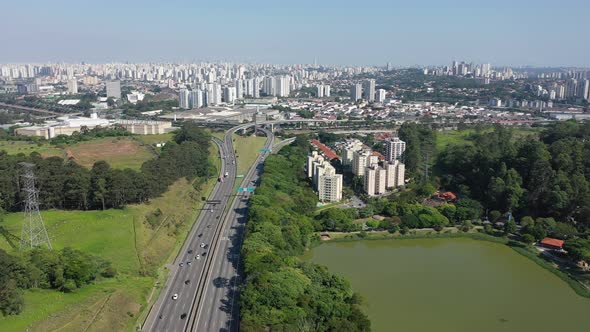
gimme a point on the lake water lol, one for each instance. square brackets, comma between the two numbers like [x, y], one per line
[454, 285]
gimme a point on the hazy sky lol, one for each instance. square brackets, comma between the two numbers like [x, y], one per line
[502, 32]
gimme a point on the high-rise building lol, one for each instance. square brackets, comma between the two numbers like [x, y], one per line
[395, 171]
[394, 149]
[374, 180]
[196, 99]
[326, 182]
[356, 92]
[269, 85]
[348, 150]
[583, 89]
[239, 89]
[326, 91]
[229, 94]
[330, 186]
[114, 89]
[369, 90]
[320, 91]
[72, 86]
[183, 99]
[571, 88]
[381, 95]
[283, 88]
[361, 160]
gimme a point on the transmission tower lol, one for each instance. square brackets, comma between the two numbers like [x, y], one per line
[34, 233]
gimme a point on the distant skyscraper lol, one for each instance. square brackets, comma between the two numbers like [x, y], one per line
[269, 85]
[381, 95]
[183, 99]
[114, 89]
[320, 91]
[196, 98]
[229, 94]
[571, 88]
[394, 149]
[326, 91]
[356, 92]
[583, 89]
[239, 88]
[283, 88]
[72, 87]
[369, 88]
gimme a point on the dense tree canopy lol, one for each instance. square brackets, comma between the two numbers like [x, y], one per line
[545, 177]
[281, 293]
[64, 184]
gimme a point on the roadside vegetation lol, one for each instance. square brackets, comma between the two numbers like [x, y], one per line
[135, 239]
[281, 292]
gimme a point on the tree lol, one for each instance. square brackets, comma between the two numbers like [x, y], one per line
[495, 215]
[509, 227]
[528, 238]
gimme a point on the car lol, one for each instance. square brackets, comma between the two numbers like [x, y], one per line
[175, 297]
[181, 264]
[211, 210]
[187, 281]
[190, 251]
[217, 217]
[200, 235]
[204, 253]
[160, 317]
[198, 257]
[208, 226]
[183, 316]
[203, 245]
[188, 263]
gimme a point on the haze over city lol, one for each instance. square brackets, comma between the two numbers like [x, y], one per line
[424, 32]
[326, 166]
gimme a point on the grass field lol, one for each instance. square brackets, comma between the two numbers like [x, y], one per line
[458, 137]
[137, 250]
[44, 148]
[248, 149]
[449, 137]
[120, 152]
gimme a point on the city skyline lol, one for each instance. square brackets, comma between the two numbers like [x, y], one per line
[331, 33]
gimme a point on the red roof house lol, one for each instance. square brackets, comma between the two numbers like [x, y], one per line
[552, 243]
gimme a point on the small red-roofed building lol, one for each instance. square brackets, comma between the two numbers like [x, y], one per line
[551, 243]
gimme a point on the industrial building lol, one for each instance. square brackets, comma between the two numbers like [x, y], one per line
[68, 125]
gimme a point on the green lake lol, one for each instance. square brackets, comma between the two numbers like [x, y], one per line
[454, 285]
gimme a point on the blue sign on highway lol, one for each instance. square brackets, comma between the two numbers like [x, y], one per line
[247, 189]
[264, 150]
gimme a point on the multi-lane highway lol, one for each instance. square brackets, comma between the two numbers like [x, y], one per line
[218, 309]
[204, 290]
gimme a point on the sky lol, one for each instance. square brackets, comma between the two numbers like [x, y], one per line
[404, 33]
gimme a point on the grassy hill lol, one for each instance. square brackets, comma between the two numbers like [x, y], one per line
[138, 243]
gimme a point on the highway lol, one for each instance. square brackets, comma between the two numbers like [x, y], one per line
[221, 230]
[218, 308]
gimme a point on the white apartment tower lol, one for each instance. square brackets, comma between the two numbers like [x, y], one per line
[394, 149]
[330, 186]
[369, 88]
[114, 89]
[326, 182]
[183, 99]
[375, 179]
[348, 150]
[72, 87]
[356, 92]
[361, 160]
[381, 95]
[395, 172]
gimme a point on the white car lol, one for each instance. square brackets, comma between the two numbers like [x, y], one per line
[175, 297]
[198, 257]
[202, 245]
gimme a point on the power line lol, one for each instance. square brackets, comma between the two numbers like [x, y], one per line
[34, 233]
